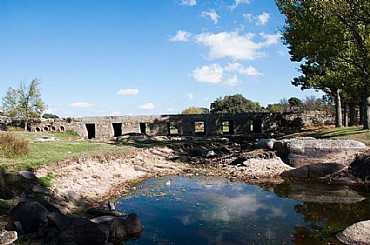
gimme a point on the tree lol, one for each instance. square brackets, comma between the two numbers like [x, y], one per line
[333, 39]
[49, 116]
[195, 110]
[234, 104]
[24, 102]
[295, 102]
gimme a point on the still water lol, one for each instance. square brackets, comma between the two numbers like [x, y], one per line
[204, 210]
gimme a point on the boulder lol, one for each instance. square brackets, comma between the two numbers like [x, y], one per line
[120, 229]
[361, 168]
[59, 221]
[358, 233]
[313, 170]
[81, 231]
[300, 152]
[31, 215]
[8, 237]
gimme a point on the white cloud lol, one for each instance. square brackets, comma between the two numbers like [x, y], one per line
[237, 2]
[270, 38]
[237, 67]
[147, 106]
[81, 105]
[208, 74]
[263, 18]
[232, 81]
[212, 15]
[188, 2]
[235, 46]
[181, 36]
[128, 91]
[190, 96]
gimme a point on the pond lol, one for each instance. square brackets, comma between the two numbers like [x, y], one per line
[205, 210]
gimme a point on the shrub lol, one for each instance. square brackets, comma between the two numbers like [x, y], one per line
[12, 146]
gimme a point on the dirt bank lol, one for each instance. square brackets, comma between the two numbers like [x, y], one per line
[81, 181]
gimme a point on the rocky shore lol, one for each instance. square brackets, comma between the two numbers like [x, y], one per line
[85, 183]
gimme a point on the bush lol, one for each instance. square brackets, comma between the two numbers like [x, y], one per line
[12, 146]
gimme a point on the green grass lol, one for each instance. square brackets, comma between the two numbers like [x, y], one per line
[46, 181]
[64, 147]
[353, 133]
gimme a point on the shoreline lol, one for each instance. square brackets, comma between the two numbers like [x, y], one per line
[82, 182]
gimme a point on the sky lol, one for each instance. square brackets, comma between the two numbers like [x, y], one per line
[145, 57]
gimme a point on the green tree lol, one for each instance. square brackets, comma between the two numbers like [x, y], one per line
[24, 102]
[49, 116]
[295, 102]
[332, 38]
[234, 104]
[195, 110]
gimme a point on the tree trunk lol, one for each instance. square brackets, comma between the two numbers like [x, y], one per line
[366, 112]
[345, 115]
[362, 110]
[338, 109]
[353, 120]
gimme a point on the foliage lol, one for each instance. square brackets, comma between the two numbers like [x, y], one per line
[295, 102]
[12, 146]
[275, 108]
[49, 116]
[332, 38]
[234, 104]
[195, 110]
[24, 102]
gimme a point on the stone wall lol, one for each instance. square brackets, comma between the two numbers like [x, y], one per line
[252, 124]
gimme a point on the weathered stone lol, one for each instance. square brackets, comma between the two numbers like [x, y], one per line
[8, 237]
[32, 215]
[59, 221]
[121, 229]
[300, 152]
[361, 168]
[313, 170]
[28, 175]
[358, 234]
[267, 144]
[81, 231]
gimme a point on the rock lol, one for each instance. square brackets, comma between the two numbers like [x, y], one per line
[45, 139]
[267, 144]
[81, 231]
[99, 212]
[136, 137]
[8, 237]
[361, 168]
[120, 229]
[313, 171]
[2, 186]
[300, 152]
[32, 216]
[28, 175]
[59, 221]
[358, 233]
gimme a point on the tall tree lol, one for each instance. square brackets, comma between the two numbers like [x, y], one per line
[24, 102]
[331, 34]
[234, 104]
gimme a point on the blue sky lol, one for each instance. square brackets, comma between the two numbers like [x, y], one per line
[140, 57]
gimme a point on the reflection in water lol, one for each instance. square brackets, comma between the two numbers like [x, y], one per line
[203, 210]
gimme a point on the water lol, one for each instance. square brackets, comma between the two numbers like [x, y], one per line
[203, 210]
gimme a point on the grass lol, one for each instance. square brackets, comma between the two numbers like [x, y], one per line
[352, 133]
[46, 181]
[66, 146]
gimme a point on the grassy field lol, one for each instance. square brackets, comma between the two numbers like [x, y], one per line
[64, 147]
[67, 146]
[353, 133]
